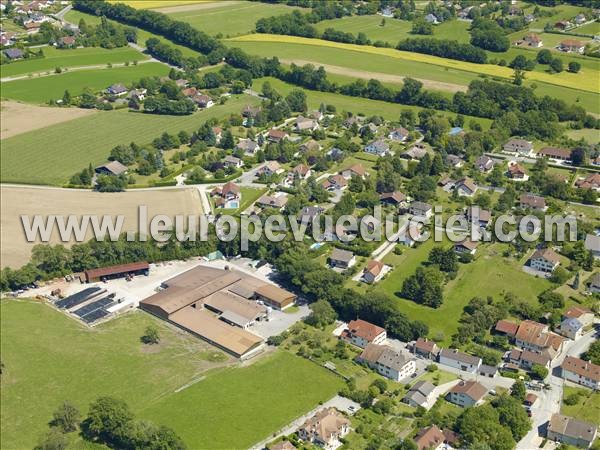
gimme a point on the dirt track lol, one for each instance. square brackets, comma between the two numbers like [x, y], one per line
[17, 118]
[383, 77]
[17, 201]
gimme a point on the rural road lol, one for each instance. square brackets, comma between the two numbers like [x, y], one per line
[383, 77]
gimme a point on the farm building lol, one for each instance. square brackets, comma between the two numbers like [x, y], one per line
[120, 271]
[111, 168]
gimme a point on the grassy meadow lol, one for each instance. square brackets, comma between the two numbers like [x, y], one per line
[230, 18]
[41, 90]
[53, 154]
[587, 407]
[237, 407]
[75, 57]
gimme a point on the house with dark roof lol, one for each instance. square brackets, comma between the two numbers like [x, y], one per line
[14, 53]
[395, 198]
[117, 90]
[591, 181]
[420, 394]
[557, 154]
[570, 431]
[421, 209]
[466, 187]
[342, 259]
[517, 172]
[111, 168]
[520, 146]
[361, 333]
[484, 164]
[526, 359]
[248, 146]
[378, 147]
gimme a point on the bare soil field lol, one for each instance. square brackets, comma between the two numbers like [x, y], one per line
[383, 77]
[17, 118]
[30, 200]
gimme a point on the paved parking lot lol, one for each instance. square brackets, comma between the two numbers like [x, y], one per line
[279, 321]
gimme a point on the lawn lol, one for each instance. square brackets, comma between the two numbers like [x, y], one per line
[235, 408]
[394, 30]
[249, 196]
[489, 275]
[76, 57]
[364, 106]
[590, 28]
[59, 359]
[586, 82]
[52, 155]
[587, 134]
[587, 407]
[230, 18]
[438, 377]
[43, 89]
[152, 4]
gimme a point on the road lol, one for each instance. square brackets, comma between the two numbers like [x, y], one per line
[549, 400]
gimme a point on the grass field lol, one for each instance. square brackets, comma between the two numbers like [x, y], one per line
[583, 81]
[367, 107]
[236, 408]
[43, 89]
[590, 28]
[76, 57]
[150, 4]
[589, 135]
[58, 359]
[586, 409]
[394, 29]
[489, 275]
[357, 61]
[53, 154]
[230, 18]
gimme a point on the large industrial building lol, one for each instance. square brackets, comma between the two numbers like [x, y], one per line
[218, 306]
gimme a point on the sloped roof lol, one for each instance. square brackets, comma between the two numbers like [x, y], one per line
[364, 329]
[473, 389]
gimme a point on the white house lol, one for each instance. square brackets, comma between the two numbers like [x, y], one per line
[342, 258]
[420, 394]
[520, 146]
[545, 260]
[581, 372]
[373, 272]
[459, 360]
[399, 134]
[379, 148]
[571, 328]
[325, 429]
[361, 333]
[592, 244]
[571, 431]
[467, 393]
[421, 209]
[388, 362]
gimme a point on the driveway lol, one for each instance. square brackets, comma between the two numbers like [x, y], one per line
[279, 321]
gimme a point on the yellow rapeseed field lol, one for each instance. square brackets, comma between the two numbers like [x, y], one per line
[585, 80]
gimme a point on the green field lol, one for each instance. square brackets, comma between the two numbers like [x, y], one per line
[230, 19]
[43, 89]
[59, 359]
[587, 407]
[489, 275]
[394, 30]
[589, 135]
[76, 57]
[367, 107]
[590, 28]
[357, 61]
[52, 155]
[236, 408]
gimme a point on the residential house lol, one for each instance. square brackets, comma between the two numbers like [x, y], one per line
[570, 431]
[310, 146]
[416, 152]
[117, 90]
[592, 181]
[6, 39]
[66, 42]
[421, 209]
[466, 187]
[276, 135]
[563, 25]
[356, 170]
[420, 394]
[484, 164]
[248, 146]
[282, 445]
[533, 40]
[371, 127]
[361, 333]
[425, 347]
[32, 27]
[454, 161]
[342, 259]
[373, 272]
[517, 172]
[395, 198]
[190, 92]
[467, 393]
[325, 429]
[572, 46]
[584, 315]
[350, 121]
[301, 172]
[137, 94]
[431, 19]
[487, 371]
[580, 19]
[379, 148]
[316, 114]
[203, 101]
[456, 131]
[335, 183]
[251, 111]
[276, 201]
[521, 146]
[14, 53]
[411, 234]
[581, 372]
[478, 216]
[526, 359]
[387, 361]
[111, 168]
[530, 201]
[232, 161]
[544, 260]
[459, 360]
[507, 328]
[535, 336]
[218, 132]
[431, 438]
[558, 154]
[309, 213]
[399, 134]
[269, 168]
[466, 247]
[305, 124]
[571, 328]
[227, 196]
[594, 286]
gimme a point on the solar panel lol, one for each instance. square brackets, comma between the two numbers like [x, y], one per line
[94, 315]
[93, 306]
[78, 298]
